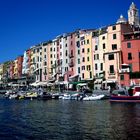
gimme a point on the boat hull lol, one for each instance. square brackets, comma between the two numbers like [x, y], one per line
[125, 99]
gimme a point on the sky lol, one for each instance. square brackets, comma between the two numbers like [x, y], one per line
[24, 23]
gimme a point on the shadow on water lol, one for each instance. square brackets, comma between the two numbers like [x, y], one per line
[67, 120]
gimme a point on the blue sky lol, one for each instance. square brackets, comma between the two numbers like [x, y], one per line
[24, 23]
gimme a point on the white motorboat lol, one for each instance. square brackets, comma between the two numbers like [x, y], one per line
[93, 97]
[66, 97]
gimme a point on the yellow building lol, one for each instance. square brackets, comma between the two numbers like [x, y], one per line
[86, 56]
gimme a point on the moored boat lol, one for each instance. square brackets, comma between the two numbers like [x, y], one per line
[132, 95]
[124, 98]
[93, 97]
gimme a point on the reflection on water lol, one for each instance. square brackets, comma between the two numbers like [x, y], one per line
[66, 120]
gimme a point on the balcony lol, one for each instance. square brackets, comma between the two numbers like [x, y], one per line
[59, 62]
[127, 70]
[59, 72]
[45, 73]
[71, 64]
[71, 55]
[111, 72]
[51, 78]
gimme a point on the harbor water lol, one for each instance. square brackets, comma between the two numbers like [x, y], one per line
[68, 120]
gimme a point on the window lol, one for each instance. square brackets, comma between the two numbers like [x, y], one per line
[45, 63]
[96, 47]
[83, 67]
[111, 69]
[111, 57]
[88, 68]
[96, 67]
[104, 46]
[128, 45]
[103, 37]
[88, 41]
[38, 50]
[78, 51]
[94, 56]
[51, 56]
[90, 74]
[97, 56]
[83, 50]
[88, 50]
[131, 68]
[54, 49]
[71, 42]
[83, 60]
[44, 49]
[139, 54]
[82, 75]
[66, 53]
[33, 59]
[78, 44]
[66, 38]
[78, 69]
[51, 49]
[114, 36]
[78, 61]
[101, 66]
[129, 56]
[45, 56]
[87, 58]
[66, 45]
[66, 61]
[121, 77]
[114, 46]
[114, 28]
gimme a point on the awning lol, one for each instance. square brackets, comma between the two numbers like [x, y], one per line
[98, 81]
[76, 75]
[82, 84]
[50, 84]
[125, 64]
[109, 81]
[61, 82]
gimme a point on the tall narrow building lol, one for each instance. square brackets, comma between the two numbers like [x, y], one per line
[133, 15]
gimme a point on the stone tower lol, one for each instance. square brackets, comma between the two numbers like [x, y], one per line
[133, 15]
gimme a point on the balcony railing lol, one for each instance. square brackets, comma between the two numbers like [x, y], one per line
[127, 70]
[71, 55]
[111, 72]
[71, 64]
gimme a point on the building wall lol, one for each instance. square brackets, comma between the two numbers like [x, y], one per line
[113, 51]
[19, 66]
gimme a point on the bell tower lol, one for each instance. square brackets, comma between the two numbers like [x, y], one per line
[133, 15]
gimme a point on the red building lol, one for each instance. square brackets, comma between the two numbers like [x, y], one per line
[19, 66]
[130, 72]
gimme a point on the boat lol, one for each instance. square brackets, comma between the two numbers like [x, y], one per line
[132, 95]
[45, 96]
[12, 96]
[93, 97]
[55, 96]
[31, 95]
[66, 97]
